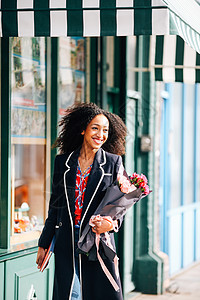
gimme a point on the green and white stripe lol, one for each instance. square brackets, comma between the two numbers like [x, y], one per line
[82, 17]
[101, 18]
[172, 60]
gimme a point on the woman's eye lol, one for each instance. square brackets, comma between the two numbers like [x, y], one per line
[94, 128]
[105, 130]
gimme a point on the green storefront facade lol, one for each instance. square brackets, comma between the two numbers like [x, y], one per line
[61, 72]
[78, 51]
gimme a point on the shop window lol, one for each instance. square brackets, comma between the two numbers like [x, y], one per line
[71, 72]
[28, 137]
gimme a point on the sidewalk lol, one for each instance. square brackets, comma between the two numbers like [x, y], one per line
[185, 286]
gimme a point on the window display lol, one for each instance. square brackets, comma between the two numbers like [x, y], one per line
[71, 72]
[28, 137]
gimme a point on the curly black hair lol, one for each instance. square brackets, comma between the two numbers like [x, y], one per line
[77, 119]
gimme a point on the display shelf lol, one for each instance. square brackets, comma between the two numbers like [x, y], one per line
[28, 140]
[18, 238]
[20, 209]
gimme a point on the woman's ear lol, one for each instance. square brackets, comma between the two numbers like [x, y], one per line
[83, 132]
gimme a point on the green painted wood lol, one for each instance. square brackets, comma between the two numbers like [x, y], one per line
[54, 97]
[128, 236]
[120, 75]
[18, 250]
[103, 73]
[148, 266]
[21, 275]
[5, 185]
[117, 74]
[93, 69]
[1, 281]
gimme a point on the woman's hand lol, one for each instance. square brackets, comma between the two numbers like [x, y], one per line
[102, 226]
[40, 256]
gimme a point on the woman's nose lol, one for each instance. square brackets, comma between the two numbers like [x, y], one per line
[100, 133]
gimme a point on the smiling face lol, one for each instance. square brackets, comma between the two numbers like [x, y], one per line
[96, 132]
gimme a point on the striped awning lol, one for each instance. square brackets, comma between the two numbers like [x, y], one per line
[185, 21]
[172, 60]
[100, 18]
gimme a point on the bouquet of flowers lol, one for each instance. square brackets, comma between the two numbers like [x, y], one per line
[119, 197]
[136, 181]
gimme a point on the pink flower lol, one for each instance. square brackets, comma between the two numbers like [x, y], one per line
[136, 181]
[125, 185]
[146, 189]
[135, 175]
[143, 177]
[121, 179]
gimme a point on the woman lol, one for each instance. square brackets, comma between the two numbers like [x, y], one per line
[90, 142]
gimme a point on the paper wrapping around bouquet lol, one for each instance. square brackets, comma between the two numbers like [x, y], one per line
[114, 204]
[118, 203]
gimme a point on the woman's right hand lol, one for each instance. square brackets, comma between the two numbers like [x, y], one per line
[40, 256]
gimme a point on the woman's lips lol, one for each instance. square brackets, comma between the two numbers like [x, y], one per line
[98, 141]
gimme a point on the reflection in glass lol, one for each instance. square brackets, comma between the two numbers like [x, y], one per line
[71, 72]
[28, 137]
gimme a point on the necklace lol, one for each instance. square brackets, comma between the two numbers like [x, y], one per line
[84, 171]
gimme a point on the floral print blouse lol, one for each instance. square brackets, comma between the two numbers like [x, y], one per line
[81, 183]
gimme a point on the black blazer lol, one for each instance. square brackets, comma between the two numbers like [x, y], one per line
[60, 222]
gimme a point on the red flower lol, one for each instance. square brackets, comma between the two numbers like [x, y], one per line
[140, 181]
[142, 184]
[136, 181]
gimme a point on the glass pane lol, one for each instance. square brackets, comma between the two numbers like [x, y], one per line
[28, 137]
[174, 146]
[110, 61]
[131, 59]
[189, 144]
[71, 72]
